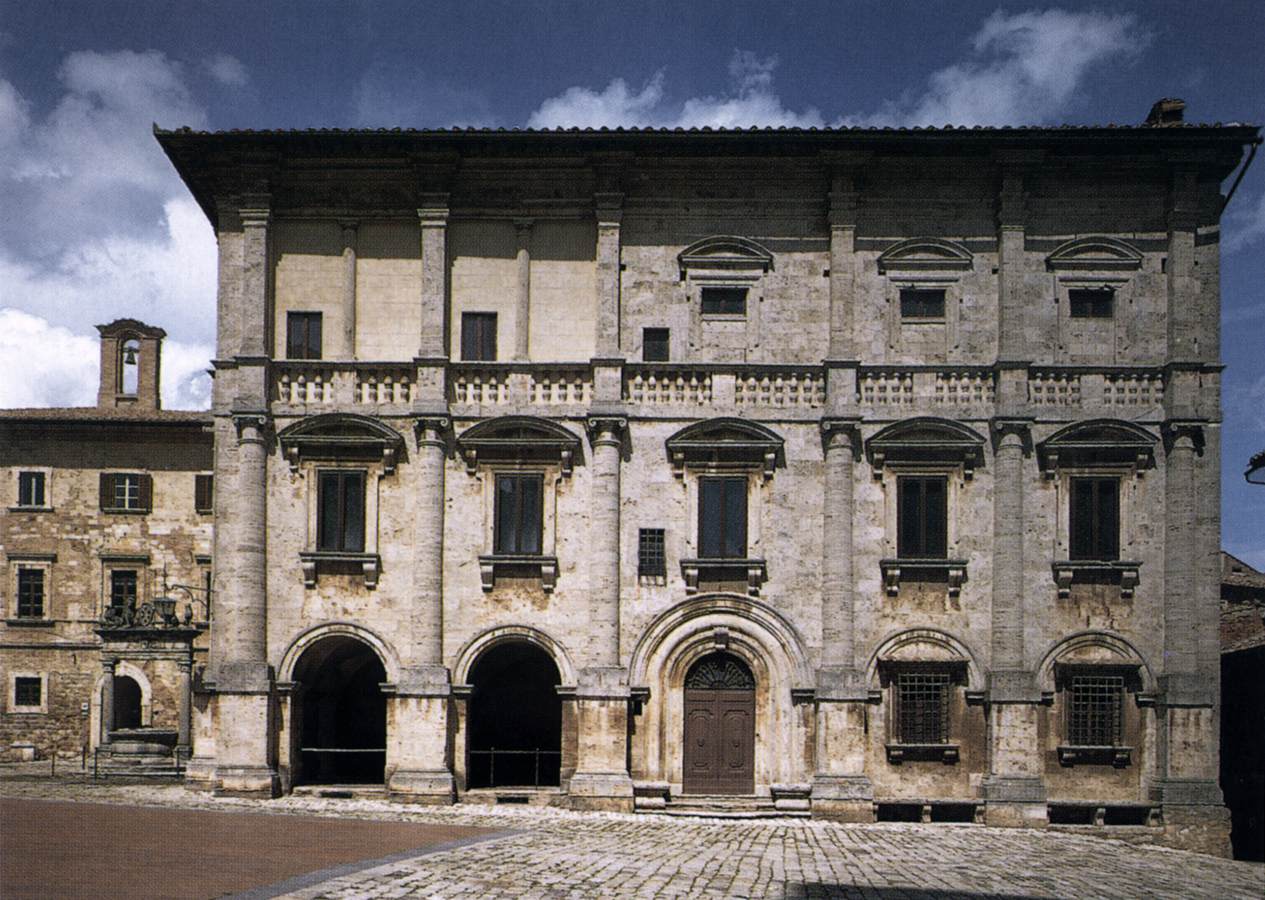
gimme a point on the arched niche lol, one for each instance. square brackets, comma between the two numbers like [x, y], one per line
[341, 436]
[725, 251]
[926, 439]
[727, 442]
[924, 254]
[519, 439]
[1095, 253]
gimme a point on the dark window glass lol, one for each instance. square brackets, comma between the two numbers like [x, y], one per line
[724, 301]
[654, 345]
[722, 518]
[26, 692]
[30, 489]
[1091, 303]
[651, 558]
[922, 518]
[922, 707]
[341, 512]
[1094, 709]
[203, 493]
[478, 336]
[922, 303]
[518, 514]
[123, 588]
[303, 335]
[1095, 519]
[30, 593]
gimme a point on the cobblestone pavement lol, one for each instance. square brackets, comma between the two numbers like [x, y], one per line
[562, 854]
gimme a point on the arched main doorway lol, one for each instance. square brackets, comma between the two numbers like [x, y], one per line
[719, 726]
[127, 702]
[515, 721]
[342, 714]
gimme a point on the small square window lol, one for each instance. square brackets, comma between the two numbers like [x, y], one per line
[1094, 707]
[722, 518]
[518, 514]
[478, 336]
[651, 559]
[724, 301]
[922, 517]
[654, 345]
[203, 493]
[30, 593]
[303, 335]
[340, 516]
[123, 588]
[31, 489]
[922, 707]
[922, 303]
[27, 691]
[1095, 518]
[1091, 303]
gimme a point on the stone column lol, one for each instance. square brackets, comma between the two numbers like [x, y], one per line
[254, 281]
[841, 789]
[601, 779]
[842, 354]
[108, 665]
[1014, 788]
[419, 761]
[348, 348]
[1013, 350]
[609, 214]
[185, 686]
[522, 305]
[433, 219]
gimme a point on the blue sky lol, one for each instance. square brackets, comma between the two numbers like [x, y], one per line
[97, 226]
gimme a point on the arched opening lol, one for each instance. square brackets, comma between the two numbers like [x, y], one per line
[129, 366]
[719, 726]
[342, 713]
[515, 718]
[127, 702]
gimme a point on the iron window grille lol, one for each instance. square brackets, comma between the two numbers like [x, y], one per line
[478, 336]
[1095, 518]
[922, 303]
[518, 515]
[652, 559]
[123, 589]
[922, 517]
[921, 710]
[27, 691]
[30, 593]
[203, 493]
[30, 489]
[303, 335]
[1094, 710]
[340, 514]
[654, 344]
[724, 301]
[1091, 303]
[722, 518]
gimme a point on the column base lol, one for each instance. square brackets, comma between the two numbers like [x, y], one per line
[199, 773]
[436, 788]
[1015, 802]
[603, 791]
[247, 781]
[1204, 828]
[843, 798]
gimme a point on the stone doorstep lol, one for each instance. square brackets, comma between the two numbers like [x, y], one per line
[341, 791]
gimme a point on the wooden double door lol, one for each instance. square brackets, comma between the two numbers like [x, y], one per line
[719, 728]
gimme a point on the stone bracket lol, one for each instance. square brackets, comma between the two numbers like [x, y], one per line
[1068, 571]
[312, 561]
[755, 572]
[945, 753]
[543, 567]
[1118, 757]
[894, 570]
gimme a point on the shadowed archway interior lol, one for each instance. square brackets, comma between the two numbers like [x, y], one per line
[515, 718]
[342, 713]
[127, 702]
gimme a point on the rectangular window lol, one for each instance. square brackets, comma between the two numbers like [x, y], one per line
[203, 493]
[651, 559]
[722, 518]
[27, 691]
[1091, 303]
[922, 707]
[1095, 518]
[303, 335]
[31, 489]
[724, 301]
[123, 588]
[340, 519]
[654, 345]
[30, 593]
[478, 336]
[922, 303]
[1094, 710]
[518, 514]
[922, 517]
[126, 491]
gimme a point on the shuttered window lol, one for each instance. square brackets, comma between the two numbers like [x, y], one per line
[1095, 518]
[203, 493]
[518, 514]
[303, 335]
[478, 336]
[126, 492]
[722, 518]
[922, 517]
[340, 517]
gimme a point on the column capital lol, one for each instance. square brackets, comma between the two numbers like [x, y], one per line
[108, 663]
[841, 433]
[523, 224]
[1180, 431]
[434, 211]
[1019, 427]
[432, 429]
[251, 425]
[606, 428]
[255, 214]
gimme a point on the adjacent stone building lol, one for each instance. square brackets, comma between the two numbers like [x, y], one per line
[106, 542]
[856, 472]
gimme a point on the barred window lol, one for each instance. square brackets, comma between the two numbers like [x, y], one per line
[30, 593]
[1094, 705]
[651, 559]
[123, 584]
[27, 691]
[922, 707]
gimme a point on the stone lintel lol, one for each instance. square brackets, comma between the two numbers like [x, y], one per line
[841, 684]
[603, 683]
[423, 681]
[1002, 789]
[1186, 689]
[1013, 686]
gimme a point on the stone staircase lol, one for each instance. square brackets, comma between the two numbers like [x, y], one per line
[785, 801]
[139, 753]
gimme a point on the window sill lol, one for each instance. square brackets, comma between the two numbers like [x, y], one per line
[1069, 571]
[894, 570]
[29, 623]
[123, 511]
[753, 571]
[945, 753]
[1118, 757]
[30, 509]
[314, 560]
[723, 317]
[533, 566]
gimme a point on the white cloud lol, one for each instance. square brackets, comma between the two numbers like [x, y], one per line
[751, 101]
[1025, 69]
[227, 69]
[1243, 225]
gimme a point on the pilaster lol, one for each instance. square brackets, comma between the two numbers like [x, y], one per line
[601, 780]
[350, 228]
[522, 306]
[432, 216]
[607, 434]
